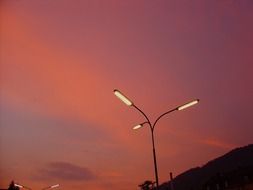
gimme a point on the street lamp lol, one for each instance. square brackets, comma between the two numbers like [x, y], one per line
[123, 98]
[22, 186]
[128, 102]
[51, 187]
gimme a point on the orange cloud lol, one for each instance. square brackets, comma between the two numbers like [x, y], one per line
[218, 143]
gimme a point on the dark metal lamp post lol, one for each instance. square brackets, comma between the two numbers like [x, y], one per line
[128, 102]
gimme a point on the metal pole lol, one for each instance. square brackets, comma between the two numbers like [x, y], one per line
[152, 127]
[154, 156]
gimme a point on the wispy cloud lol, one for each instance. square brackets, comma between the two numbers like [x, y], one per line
[218, 143]
[65, 171]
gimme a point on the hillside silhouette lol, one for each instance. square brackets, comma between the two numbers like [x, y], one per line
[195, 178]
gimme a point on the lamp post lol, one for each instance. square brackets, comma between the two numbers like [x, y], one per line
[51, 187]
[22, 186]
[128, 102]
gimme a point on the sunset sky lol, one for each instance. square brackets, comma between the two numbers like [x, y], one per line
[61, 60]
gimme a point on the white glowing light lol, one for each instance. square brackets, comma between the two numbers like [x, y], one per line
[188, 104]
[122, 97]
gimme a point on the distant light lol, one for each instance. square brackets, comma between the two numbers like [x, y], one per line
[17, 185]
[137, 126]
[188, 104]
[122, 97]
[54, 186]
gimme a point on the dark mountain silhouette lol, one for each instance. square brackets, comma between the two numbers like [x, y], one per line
[195, 178]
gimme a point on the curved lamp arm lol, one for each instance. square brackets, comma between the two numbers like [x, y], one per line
[139, 126]
[182, 107]
[51, 187]
[128, 102]
[163, 115]
[148, 121]
[22, 186]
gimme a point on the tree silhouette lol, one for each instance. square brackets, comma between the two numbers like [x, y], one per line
[12, 186]
[147, 185]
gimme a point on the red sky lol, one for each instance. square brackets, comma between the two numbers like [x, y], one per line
[61, 60]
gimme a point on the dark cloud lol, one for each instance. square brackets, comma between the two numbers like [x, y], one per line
[65, 171]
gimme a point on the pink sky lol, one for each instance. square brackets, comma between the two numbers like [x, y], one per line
[61, 60]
